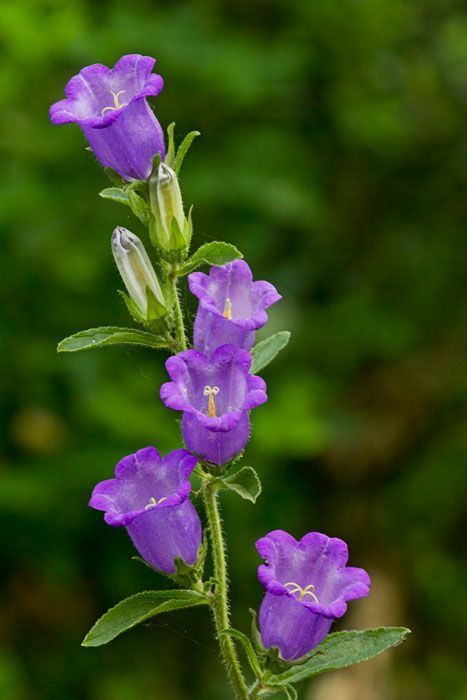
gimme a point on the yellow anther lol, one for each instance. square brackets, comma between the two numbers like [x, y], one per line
[211, 391]
[227, 313]
[154, 502]
[308, 590]
[116, 104]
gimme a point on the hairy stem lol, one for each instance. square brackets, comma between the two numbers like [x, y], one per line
[220, 602]
[178, 315]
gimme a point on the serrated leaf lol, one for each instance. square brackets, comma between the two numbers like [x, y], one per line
[265, 351]
[183, 149]
[249, 651]
[214, 253]
[110, 335]
[340, 650]
[136, 609]
[115, 194]
[245, 483]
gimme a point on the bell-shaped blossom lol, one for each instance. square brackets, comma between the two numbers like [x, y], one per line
[110, 106]
[231, 306]
[308, 585]
[149, 496]
[215, 393]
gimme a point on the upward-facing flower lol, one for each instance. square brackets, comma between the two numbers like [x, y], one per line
[150, 497]
[231, 306]
[215, 393]
[110, 107]
[308, 585]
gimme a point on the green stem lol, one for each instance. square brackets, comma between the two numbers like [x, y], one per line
[178, 316]
[220, 602]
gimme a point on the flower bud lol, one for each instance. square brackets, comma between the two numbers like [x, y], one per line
[171, 228]
[135, 269]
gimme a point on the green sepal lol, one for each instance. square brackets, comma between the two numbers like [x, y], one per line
[185, 575]
[114, 177]
[116, 194]
[255, 633]
[183, 149]
[138, 608]
[264, 352]
[214, 253]
[340, 650]
[245, 483]
[138, 206]
[290, 692]
[133, 309]
[110, 335]
[249, 651]
[169, 156]
[156, 311]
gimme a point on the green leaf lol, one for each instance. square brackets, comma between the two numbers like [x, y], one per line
[183, 149]
[250, 652]
[290, 692]
[265, 351]
[138, 608]
[110, 335]
[115, 194]
[340, 650]
[245, 483]
[214, 253]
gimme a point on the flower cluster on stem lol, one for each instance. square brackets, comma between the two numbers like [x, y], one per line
[211, 383]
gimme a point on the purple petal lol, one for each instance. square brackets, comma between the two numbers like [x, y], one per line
[290, 627]
[215, 447]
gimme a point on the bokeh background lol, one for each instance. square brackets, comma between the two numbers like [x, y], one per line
[334, 154]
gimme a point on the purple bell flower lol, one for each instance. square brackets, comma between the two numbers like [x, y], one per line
[215, 393]
[111, 108]
[150, 497]
[231, 306]
[308, 585]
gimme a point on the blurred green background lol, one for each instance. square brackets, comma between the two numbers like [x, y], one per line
[334, 154]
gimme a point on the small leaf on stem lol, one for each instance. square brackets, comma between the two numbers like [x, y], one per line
[265, 351]
[214, 253]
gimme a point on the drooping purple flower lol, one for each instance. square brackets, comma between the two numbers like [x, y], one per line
[110, 106]
[308, 585]
[215, 393]
[231, 306]
[150, 497]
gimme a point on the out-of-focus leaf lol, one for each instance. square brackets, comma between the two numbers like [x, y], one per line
[264, 352]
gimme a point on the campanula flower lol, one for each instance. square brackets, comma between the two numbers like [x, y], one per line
[308, 585]
[149, 496]
[231, 306]
[110, 106]
[215, 393]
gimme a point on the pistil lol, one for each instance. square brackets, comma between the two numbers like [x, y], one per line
[308, 590]
[116, 104]
[227, 313]
[211, 391]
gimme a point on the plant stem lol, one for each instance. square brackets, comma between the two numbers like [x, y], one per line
[220, 602]
[178, 316]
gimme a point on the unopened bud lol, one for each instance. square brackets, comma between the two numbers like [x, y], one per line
[171, 230]
[135, 268]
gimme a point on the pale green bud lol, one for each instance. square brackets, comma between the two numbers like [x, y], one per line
[135, 269]
[171, 229]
